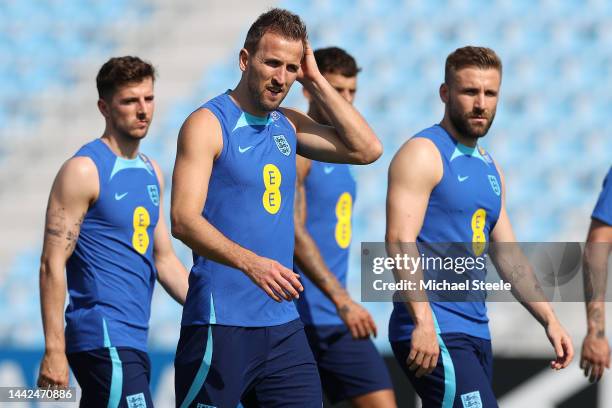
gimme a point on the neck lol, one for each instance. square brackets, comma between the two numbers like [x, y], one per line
[459, 137]
[243, 99]
[120, 145]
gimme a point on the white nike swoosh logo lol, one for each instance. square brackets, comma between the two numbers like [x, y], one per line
[328, 169]
[241, 150]
[120, 196]
[461, 179]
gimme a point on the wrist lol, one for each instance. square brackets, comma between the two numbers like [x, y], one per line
[340, 298]
[423, 316]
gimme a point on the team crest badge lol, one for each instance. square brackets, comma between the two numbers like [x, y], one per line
[153, 194]
[275, 116]
[282, 144]
[494, 185]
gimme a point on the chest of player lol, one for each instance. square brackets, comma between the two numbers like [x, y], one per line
[128, 204]
[256, 160]
[470, 187]
[330, 191]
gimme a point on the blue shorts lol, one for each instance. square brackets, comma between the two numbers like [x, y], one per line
[462, 378]
[113, 377]
[348, 367]
[221, 366]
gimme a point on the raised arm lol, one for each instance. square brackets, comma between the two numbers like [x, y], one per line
[413, 173]
[75, 187]
[514, 267]
[349, 140]
[199, 144]
[310, 261]
[171, 273]
[595, 353]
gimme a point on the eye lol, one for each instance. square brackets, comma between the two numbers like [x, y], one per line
[293, 68]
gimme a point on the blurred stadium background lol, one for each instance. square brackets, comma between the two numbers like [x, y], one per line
[551, 136]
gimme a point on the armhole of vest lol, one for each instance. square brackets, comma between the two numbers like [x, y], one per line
[148, 161]
[444, 164]
[92, 155]
[224, 136]
[289, 126]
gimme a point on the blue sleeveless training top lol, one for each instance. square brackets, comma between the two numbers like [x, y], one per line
[111, 273]
[250, 201]
[330, 194]
[463, 208]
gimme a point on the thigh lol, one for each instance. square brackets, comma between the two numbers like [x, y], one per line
[351, 367]
[214, 365]
[136, 372]
[290, 378]
[112, 377]
[459, 379]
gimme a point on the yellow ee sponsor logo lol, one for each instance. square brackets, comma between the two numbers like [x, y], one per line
[344, 208]
[140, 238]
[272, 179]
[479, 240]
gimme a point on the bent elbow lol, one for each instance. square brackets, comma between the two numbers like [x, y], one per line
[373, 152]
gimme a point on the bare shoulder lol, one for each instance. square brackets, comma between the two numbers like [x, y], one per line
[418, 156]
[78, 178]
[201, 130]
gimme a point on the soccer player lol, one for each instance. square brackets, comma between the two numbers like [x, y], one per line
[443, 187]
[595, 354]
[337, 328]
[105, 226]
[232, 203]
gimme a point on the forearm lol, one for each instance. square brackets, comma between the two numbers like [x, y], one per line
[595, 275]
[308, 258]
[206, 240]
[353, 130]
[52, 299]
[173, 276]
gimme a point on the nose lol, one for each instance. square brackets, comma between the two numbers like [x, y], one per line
[479, 101]
[280, 76]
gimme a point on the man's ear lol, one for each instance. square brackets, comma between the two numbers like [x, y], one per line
[444, 92]
[103, 108]
[243, 59]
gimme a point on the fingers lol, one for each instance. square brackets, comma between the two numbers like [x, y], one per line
[271, 293]
[373, 328]
[417, 361]
[569, 351]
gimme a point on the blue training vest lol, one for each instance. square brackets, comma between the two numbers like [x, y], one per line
[250, 201]
[463, 208]
[330, 194]
[111, 273]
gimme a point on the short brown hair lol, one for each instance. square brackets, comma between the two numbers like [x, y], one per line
[334, 60]
[120, 71]
[278, 21]
[480, 57]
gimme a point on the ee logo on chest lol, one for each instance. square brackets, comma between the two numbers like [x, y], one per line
[272, 179]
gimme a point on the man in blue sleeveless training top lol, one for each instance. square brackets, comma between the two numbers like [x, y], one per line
[232, 203]
[445, 188]
[338, 329]
[595, 353]
[105, 225]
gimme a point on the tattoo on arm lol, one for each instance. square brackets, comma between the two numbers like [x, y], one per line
[57, 232]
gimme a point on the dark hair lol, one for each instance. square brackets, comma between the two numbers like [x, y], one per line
[120, 71]
[278, 21]
[480, 57]
[334, 60]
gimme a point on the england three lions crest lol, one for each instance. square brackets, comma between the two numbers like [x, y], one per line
[282, 144]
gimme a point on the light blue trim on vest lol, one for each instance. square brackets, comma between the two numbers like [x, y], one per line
[246, 119]
[463, 150]
[116, 387]
[450, 382]
[202, 373]
[124, 164]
